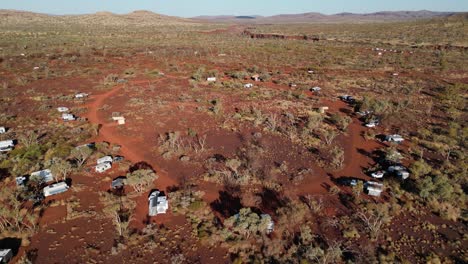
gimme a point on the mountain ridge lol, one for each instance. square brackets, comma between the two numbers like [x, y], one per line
[148, 18]
[380, 16]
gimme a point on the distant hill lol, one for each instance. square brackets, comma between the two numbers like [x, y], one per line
[137, 18]
[336, 18]
[148, 18]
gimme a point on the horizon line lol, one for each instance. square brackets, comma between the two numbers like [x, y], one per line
[218, 15]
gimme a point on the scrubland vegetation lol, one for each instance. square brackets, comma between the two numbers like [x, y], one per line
[226, 155]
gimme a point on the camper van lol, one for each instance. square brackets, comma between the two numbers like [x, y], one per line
[5, 255]
[158, 203]
[68, 117]
[373, 188]
[102, 167]
[81, 95]
[104, 160]
[55, 188]
[394, 138]
[6, 145]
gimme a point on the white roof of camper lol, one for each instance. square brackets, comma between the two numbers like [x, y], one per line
[6, 143]
[374, 186]
[5, 255]
[103, 166]
[104, 159]
[68, 116]
[157, 204]
[395, 137]
[55, 188]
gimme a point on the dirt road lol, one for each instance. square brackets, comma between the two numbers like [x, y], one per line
[108, 132]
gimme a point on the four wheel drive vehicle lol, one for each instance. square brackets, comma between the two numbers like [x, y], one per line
[395, 168]
[364, 113]
[105, 159]
[394, 138]
[372, 124]
[315, 89]
[118, 158]
[347, 98]
[348, 181]
[403, 174]
[378, 174]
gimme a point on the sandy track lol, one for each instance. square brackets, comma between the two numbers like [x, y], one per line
[108, 132]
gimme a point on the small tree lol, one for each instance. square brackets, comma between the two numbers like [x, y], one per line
[13, 216]
[314, 120]
[234, 165]
[392, 154]
[141, 179]
[420, 168]
[81, 154]
[340, 121]
[357, 189]
[29, 138]
[374, 217]
[118, 208]
[245, 223]
[329, 136]
[338, 156]
[60, 168]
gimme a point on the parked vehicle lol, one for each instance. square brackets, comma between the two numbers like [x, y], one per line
[378, 174]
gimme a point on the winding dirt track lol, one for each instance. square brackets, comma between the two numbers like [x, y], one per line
[108, 132]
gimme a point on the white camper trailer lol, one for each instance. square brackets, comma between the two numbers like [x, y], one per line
[81, 95]
[55, 188]
[102, 167]
[394, 138]
[104, 160]
[6, 145]
[157, 203]
[120, 119]
[211, 79]
[5, 255]
[46, 175]
[68, 117]
[315, 89]
[373, 188]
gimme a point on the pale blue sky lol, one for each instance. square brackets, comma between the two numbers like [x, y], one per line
[188, 8]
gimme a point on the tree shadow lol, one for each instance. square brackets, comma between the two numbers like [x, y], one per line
[326, 186]
[346, 111]
[69, 181]
[272, 200]
[142, 165]
[12, 243]
[4, 174]
[227, 204]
